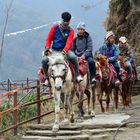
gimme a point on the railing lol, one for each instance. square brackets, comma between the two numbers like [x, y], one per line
[14, 88]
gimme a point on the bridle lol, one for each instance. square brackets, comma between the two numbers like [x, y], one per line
[63, 77]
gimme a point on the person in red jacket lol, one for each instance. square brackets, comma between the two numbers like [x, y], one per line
[60, 38]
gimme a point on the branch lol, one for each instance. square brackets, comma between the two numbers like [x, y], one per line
[4, 29]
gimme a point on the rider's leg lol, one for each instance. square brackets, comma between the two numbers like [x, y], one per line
[129, 68]
[92, 69]
[117, 69]
[45, 66]
[73, 59]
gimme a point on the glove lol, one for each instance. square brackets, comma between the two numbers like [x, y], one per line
[47, 51]
[64, 53]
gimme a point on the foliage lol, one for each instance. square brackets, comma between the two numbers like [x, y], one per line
[23, 114]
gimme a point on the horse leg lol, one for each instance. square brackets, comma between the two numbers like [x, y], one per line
[130, 97]
[107, 101]
[57, 111]
[100, 95]
[88, 94]
[123, 95]
[66, 106]
[93, 102]
[80, 105]
[116, 98]
[71, 107]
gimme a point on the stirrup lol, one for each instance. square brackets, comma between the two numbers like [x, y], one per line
[93, 81]
[46, 83]
[79, 78]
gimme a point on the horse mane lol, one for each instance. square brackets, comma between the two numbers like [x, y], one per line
[56, 57]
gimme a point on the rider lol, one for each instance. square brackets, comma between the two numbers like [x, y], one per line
[110, 50]
[60, 38]
[82, 47]
[127, 53]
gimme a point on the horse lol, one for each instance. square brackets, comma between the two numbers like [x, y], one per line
[126, 83]
[62, 86]
[84, 87]
[107, 83]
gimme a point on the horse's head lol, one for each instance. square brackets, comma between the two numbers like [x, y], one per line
[105, 72]
[103, 60]
[57, 70]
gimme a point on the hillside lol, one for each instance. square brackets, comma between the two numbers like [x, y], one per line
[124, 19]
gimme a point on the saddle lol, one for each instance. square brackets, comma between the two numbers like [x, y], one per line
[83, 69]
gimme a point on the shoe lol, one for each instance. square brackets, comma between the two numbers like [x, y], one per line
[79, 78]
[93, 81]
[46, 83]
[117, 82]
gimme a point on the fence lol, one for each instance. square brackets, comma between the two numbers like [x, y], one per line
[17, 87]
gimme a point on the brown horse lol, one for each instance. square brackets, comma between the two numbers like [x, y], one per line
[126, 83]
[108, 83]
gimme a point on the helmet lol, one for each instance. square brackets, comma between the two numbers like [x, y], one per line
[108, 34]
[123, 39]
[66, 16]
[81, 25]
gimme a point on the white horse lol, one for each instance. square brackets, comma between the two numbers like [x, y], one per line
[60, 77]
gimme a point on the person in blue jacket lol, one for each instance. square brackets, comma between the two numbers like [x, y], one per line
[110, 49]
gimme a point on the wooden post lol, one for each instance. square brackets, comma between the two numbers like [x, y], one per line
[38, 103]
[8, 85]
[15, 112]
[8, 88]
[27, 84]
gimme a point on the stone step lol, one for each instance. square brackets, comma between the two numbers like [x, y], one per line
[63, 133]
[50, 133]
[101, 131]
[49, 127]
[78, 137]
[76, 126]
[100, 137]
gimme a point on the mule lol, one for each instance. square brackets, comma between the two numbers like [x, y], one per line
[84, 87]
[62, 86]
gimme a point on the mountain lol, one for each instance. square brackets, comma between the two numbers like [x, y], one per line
[22, 53]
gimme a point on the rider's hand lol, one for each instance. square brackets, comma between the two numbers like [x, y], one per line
[83, 56]
[47, 51]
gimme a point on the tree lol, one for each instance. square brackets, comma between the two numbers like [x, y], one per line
[4, 29]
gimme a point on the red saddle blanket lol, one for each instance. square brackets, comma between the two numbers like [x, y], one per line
[83, 68]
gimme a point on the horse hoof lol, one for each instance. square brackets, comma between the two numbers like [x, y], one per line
[103, 110]
[79, 119]
[89, 112]
[65, 121]
[55, 128]
[92, 114]
[72, 118]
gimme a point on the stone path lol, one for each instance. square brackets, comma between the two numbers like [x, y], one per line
[100, 127]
